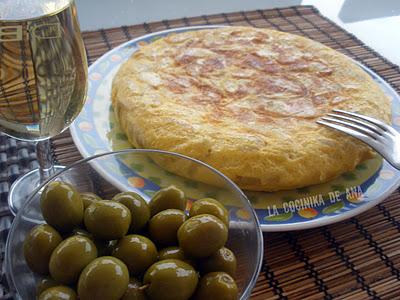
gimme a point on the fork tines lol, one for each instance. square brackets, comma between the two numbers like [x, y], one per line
[381, 137]
[354, 124]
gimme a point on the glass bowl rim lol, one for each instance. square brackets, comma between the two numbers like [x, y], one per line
[232, 185]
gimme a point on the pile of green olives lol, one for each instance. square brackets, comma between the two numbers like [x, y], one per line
[126, 248]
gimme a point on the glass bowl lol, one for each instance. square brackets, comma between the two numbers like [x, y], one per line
[144, 172]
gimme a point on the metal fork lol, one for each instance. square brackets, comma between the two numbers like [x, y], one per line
[383, 138]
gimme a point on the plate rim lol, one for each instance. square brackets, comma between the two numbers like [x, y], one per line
[279, 227]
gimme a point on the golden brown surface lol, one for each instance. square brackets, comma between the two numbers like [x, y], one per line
[245, 101]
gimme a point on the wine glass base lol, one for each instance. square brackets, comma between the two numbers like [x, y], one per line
[23, 187]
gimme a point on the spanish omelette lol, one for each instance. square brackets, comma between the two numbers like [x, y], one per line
[245, 100]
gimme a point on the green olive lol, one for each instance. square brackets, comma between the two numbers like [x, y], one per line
[174, 252]
[137, 252]
[202, 235]
[81, 232]
[134, 291]
[104, 247]
[170, 279]
[45, 284]
[70, 257]
[58, 293]
[169, 197]
[107, 220]
[217, 285]
[38, 246]
[171, 253]
[221, 261]
[138, 207]
[105, 277]
[164, 226]
[88, 198]
[61, 206]
[212, 207]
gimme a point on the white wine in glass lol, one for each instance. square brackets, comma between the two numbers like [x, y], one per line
[43, 79]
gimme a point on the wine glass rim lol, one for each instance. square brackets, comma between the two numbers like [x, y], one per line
[260, 242]
[43, 15]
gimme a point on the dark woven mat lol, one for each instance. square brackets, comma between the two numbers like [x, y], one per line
[355, 259]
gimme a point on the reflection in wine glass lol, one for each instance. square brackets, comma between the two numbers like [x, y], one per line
[43, 79]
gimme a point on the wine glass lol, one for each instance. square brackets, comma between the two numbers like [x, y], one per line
[43, 80]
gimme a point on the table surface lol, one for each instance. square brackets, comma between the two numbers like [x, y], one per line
[356, 259]
[376, 23]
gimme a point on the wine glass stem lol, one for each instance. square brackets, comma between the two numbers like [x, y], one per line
[45, 159]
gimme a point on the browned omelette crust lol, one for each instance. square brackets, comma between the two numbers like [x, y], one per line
[245, 101]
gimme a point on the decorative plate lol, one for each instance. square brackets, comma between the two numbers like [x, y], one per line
[96, 131]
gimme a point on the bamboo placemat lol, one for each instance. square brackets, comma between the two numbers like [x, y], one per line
[356, 259]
